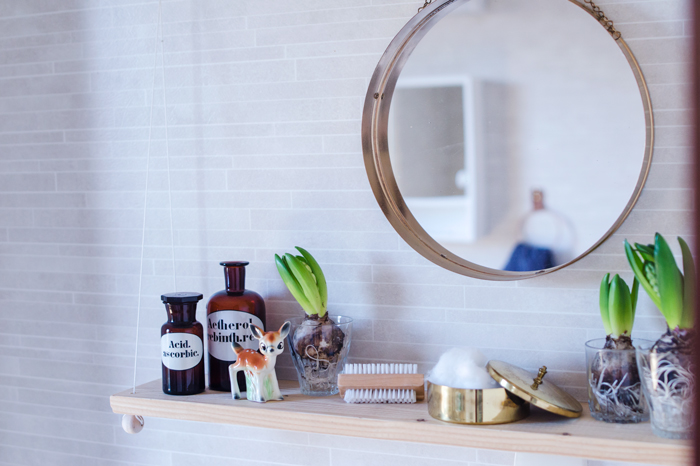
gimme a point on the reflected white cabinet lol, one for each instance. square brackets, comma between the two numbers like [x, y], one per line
[447, 155]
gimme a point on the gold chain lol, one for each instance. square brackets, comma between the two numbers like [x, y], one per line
[602, 19]
[427, 2]
[597, 12]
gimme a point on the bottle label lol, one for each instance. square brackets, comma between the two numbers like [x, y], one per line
[225, 327]
[181, 351]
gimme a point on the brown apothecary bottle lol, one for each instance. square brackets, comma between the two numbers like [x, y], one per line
[182, 345]
[230, 313]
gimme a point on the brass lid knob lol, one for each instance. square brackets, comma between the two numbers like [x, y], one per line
[540, 375]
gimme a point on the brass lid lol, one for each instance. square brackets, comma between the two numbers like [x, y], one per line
[537, 391]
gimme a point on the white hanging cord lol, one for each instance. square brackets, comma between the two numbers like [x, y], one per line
[145, 197]
[167, 150]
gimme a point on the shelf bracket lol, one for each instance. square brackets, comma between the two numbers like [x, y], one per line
[132, 424]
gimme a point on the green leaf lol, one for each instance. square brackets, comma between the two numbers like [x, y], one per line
[635, 294]
[604, 301]
[293, 285]
[688, 286]
[621, 316]
[306, 263]
[306, 280]
[638, 268]
[670, 283]
[646, 251]
[320, 279]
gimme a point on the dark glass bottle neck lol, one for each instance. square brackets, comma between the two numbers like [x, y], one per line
[235, 280]
[185, 313]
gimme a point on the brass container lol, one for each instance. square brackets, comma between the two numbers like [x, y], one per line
[487, 406]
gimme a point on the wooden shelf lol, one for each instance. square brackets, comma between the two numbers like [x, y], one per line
[542, 432]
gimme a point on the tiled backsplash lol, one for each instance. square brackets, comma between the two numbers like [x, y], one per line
[264, 101]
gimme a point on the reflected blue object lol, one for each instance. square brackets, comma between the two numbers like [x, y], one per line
[526, 257]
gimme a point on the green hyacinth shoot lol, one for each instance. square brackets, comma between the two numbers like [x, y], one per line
[305, 280]
[618, 305]
[671, 290]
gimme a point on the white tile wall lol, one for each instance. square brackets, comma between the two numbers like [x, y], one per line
[264, 107]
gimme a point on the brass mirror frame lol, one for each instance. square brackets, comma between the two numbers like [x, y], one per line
[375, 145]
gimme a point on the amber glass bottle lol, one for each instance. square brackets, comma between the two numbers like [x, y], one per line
[182, 346]
[230, 313]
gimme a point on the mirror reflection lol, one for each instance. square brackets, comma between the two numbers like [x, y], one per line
[517, 133]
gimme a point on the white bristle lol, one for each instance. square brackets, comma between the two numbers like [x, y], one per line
[380, 396]
[381, 368]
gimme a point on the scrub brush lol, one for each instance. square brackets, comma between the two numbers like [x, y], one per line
[381, 383]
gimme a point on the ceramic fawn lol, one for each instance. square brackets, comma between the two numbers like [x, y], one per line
[259, 369]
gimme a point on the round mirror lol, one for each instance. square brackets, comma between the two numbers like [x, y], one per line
[505, 139]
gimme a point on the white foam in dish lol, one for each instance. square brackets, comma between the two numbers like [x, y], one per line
[462, 368]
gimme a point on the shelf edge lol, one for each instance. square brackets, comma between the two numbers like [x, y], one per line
[448, 434]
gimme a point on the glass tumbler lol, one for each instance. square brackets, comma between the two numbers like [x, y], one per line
[614, 386]
[668, 385]
[319, 350]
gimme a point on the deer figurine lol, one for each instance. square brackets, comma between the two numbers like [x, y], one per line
[259, 369]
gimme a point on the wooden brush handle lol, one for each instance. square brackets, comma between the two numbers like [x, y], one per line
[382, 381]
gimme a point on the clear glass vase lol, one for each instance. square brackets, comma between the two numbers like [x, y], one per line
[319, 348]
[614, 384]
[668, 385]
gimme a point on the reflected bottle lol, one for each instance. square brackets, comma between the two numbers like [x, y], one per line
[182, 347]
[230, 314]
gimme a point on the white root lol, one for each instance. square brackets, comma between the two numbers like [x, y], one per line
[623, 402]
[670, 387]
